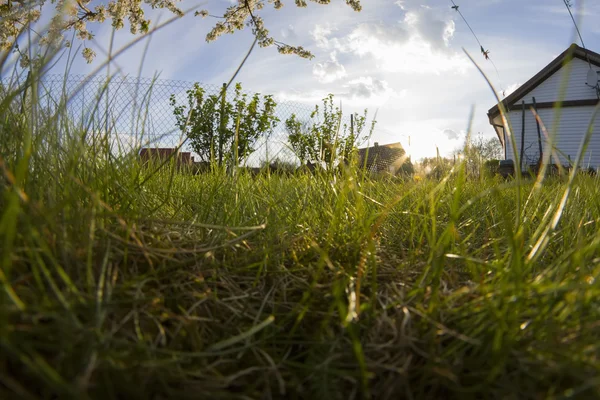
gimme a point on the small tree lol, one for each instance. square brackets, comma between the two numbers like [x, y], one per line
[302, 142]
[436, 167]
[220, 130]
[488, 149]
[325, 139]
[479, 151]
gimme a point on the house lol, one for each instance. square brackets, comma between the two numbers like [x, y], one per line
[161, 154]
[541, 92]
[390, 158]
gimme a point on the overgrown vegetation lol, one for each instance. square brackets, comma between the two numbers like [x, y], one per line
[324, 139]
[480, 158]
[128, 282]
[222, 130]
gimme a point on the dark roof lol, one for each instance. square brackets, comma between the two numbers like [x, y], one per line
[381, 157]
[574, 51]
[161, 151]
[164, 152]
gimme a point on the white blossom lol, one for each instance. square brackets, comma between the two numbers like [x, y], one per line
[24, 61]
[88, 54]
[75, 15]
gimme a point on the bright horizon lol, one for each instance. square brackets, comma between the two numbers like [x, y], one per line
[403, 60]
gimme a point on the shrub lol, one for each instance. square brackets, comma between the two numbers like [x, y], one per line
[220, 130]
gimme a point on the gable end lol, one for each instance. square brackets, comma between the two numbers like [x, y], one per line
[574, 51]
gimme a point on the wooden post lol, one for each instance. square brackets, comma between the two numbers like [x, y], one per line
[505, 143]
[348, 148]
[222, 126]
[522, 137]
[538, 133]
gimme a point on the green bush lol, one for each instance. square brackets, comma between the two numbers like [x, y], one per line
[223, 131]
[325, 140]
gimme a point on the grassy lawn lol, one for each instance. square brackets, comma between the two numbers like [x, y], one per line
[128, 282]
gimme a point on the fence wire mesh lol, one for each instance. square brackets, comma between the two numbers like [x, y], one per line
[135, 113]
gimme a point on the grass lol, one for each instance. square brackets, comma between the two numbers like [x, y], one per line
[128, 282]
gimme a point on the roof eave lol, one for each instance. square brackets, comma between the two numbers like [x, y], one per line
[574, 51]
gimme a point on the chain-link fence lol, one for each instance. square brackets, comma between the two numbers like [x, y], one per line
[137, 113]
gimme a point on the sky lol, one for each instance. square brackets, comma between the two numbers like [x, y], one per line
[404, 60]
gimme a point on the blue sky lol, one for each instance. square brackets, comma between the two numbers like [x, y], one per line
[403, 59]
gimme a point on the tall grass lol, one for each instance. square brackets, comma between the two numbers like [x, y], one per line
[128, 281]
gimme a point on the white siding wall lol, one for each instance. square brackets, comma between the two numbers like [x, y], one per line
[572, 126]
[576, 89]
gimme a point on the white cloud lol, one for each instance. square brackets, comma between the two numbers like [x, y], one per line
[511, 88]
[289, 33]
[590, 10]
[367, 38]
[329, 71]
[374, 91]
[430, 26]
[320, 34]
[361, 92]
[310, 97]
[417, 44]
[451, 134]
